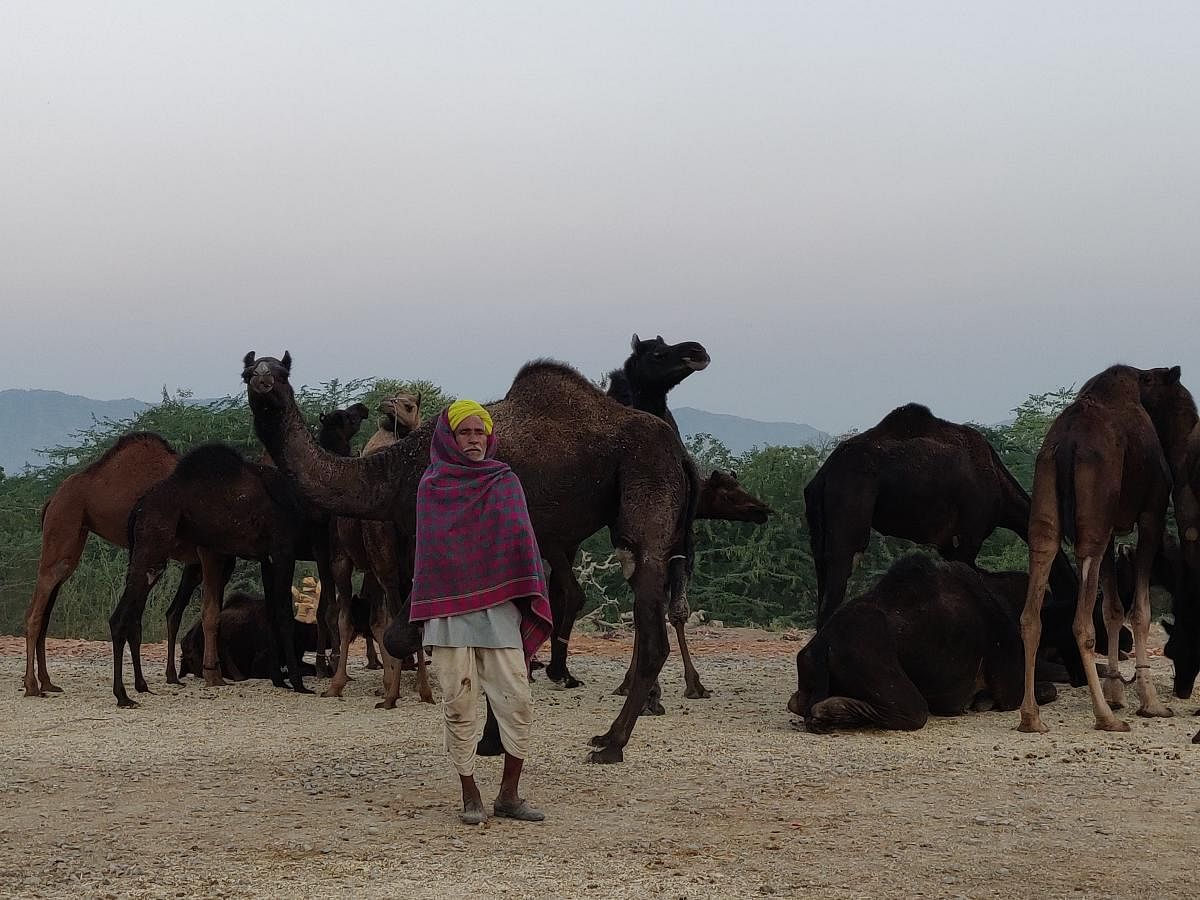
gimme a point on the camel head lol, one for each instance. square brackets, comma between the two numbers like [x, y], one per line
[339, 426]
[1171, 408]
[658, 366]
[267, 381]
[400, 413]
[723, 497]
[1183, 643]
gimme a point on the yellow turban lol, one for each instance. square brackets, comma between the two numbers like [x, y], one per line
[464, 409]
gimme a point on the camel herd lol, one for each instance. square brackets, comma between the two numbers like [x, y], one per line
[931, 637]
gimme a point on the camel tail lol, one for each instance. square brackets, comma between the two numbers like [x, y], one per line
[814, 514]
[1064, 465]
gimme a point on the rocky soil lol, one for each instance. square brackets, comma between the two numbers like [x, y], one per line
[247, 791]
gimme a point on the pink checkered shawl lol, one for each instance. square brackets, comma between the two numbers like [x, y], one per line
[475, 544]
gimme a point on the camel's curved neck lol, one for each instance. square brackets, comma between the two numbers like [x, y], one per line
[340, 485]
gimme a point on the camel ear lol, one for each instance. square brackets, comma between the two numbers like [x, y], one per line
[321, 418]
[659, 338]
[248, 360]
[287, 360]
[633, 345]
[360, 410]
[1173, 375]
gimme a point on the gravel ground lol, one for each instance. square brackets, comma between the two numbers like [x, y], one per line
[248, 791]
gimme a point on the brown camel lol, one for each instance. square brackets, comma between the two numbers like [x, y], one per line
[1103, 470]
[378, 550]
[96, 500]
[585, 462]
[227, 507]
[399, 415]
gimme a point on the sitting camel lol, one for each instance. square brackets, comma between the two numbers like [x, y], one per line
[96, 500]
[1103, 470]
[930, 638]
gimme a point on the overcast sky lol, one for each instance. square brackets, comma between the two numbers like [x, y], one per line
[850, 205]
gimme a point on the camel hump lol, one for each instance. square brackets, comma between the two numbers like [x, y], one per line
[218, 461]
[911, 418]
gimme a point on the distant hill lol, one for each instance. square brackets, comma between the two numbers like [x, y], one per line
[740, 435]
[35, 419]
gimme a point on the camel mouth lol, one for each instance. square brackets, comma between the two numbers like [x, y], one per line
[262, 384]
[698, 365]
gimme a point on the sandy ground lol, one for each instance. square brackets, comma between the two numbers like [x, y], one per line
[248, 791]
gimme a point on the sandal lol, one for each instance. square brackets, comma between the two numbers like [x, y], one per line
[521, 811]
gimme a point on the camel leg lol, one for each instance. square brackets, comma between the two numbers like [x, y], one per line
[1149, 531]
[325, 598]
[54, 567]
[372, 656]
[622, 689]
[343, 570]
[423, 691]
[47, 687]
[566, 600]
[1031, 635]
[139, 580]
[1085, 637]
[210, 615]
[650, 623]
[1114, 619]
[188, 582]
[693, 689]
[282, 567]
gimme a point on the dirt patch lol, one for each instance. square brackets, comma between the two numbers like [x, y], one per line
[249, 791]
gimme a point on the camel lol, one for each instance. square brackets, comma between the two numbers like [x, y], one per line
[585, 462]
[96, 500]
[1103, 470]
[917, 477]
[399, 415]
[652, 369]
[385, 559]
[227, 507]
[930, 638]
[337, 429]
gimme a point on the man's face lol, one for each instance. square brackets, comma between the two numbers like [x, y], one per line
[471, 437]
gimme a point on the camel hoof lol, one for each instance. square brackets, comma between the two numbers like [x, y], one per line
[127, 704]
[1032, 725]
[142, 687]
[700, 692]
[214, 681]
[1113, 725]
[334, 690]
[621, 691]
[601, 741]
[1196, 738]
[606, 755]
[571, 682]
[174, 680]
[653, 708]
[1156, 712]
[373, 666]
[48, 688]
[386, 704]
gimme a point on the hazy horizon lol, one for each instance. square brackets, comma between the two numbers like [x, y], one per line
[852, 206]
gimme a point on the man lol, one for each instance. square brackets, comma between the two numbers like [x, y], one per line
[479, 587]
